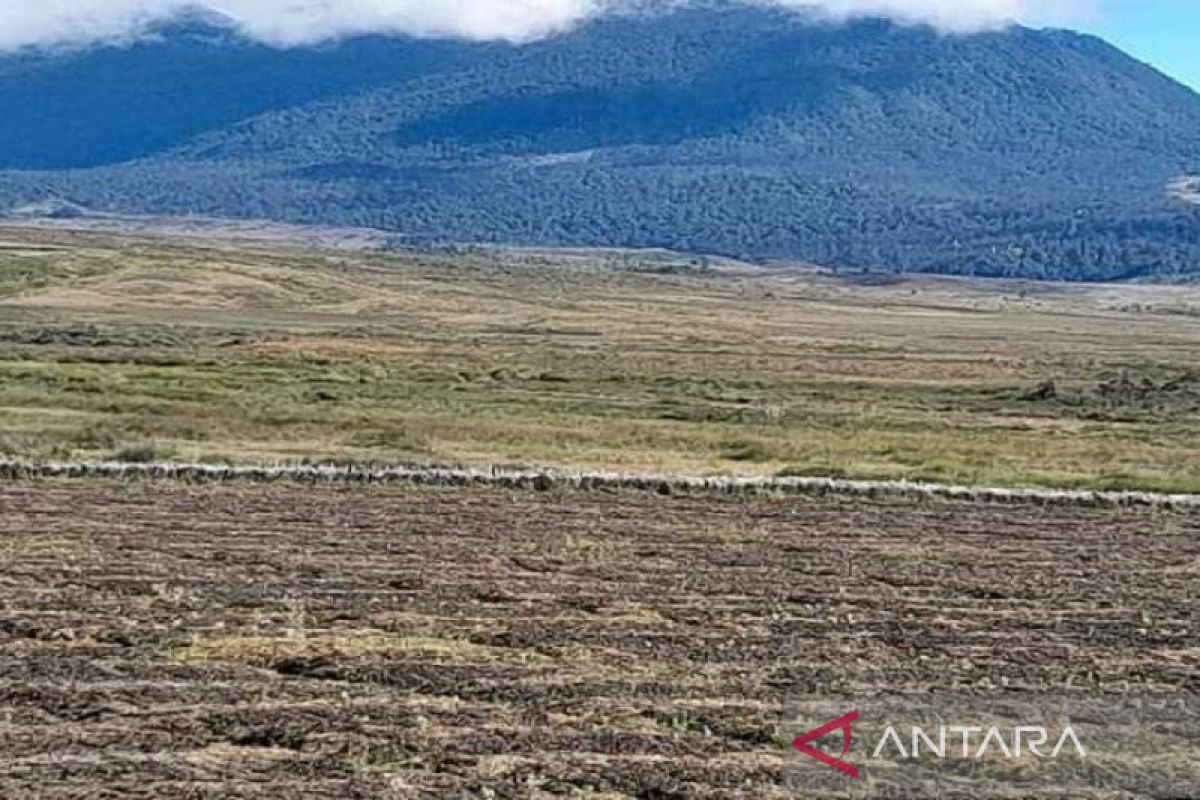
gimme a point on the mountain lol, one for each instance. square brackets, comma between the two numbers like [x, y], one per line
[734, 130]
[70, 109]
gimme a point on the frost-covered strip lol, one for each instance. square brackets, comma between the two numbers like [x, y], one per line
[548, 479]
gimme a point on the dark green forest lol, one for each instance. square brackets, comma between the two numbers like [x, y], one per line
[733, 131]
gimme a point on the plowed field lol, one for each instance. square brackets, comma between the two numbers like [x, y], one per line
[286, 642]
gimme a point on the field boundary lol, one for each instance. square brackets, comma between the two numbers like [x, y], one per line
[549, 479]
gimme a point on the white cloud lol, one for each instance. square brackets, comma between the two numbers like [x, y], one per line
[292, 22]
[302, 21]
[959, 16]
[48, 22]
[952, 16]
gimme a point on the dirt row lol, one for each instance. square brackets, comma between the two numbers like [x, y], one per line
[315, 642]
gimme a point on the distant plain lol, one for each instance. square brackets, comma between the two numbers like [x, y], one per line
[143, 348]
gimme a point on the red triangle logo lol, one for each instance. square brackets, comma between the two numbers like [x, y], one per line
[803, 742]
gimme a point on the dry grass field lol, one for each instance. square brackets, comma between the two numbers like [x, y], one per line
[144, 348]
[237, 640]
[161, 641]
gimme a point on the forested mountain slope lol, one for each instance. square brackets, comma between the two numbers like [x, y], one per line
[740, 131]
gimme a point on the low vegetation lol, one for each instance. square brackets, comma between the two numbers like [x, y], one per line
[140, 349]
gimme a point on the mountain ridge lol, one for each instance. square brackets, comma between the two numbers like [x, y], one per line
[748, 132]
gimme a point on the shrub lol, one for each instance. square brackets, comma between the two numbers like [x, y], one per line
[143, 453]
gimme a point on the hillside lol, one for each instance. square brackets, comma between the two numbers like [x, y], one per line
[745, 132]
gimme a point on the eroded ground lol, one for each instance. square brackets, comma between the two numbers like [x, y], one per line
[298, 642]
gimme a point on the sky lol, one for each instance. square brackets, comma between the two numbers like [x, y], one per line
[1165, 33]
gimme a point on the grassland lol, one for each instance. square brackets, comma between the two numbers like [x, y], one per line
[238, 640]
[281, 642]
[142, 348]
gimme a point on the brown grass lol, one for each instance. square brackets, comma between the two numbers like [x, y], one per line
[255, 642]
[576, 360]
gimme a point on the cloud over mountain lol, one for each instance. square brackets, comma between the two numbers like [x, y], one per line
[296, 22]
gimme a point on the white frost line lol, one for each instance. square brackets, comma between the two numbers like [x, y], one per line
[553, 479]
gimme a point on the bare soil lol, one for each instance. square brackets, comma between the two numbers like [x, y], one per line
[283, 642]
